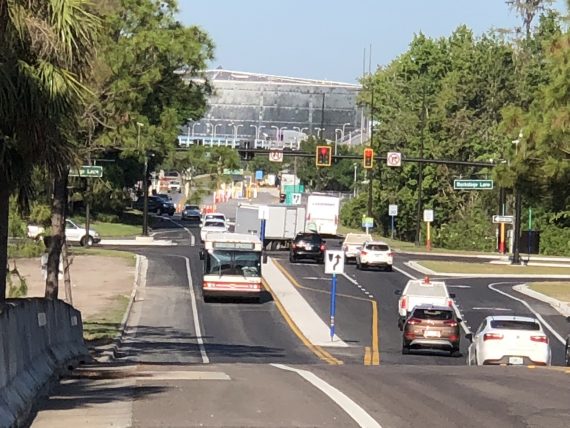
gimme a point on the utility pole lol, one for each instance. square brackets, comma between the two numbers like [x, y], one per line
[369, 205]
[145, 183]
[421, 173]
[517, 226]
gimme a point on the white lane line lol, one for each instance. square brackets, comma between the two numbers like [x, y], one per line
[192, 238]
[536, 314]
[403, 272]
[458, 286]
[492, 309]
[357, 413]
[197, 328]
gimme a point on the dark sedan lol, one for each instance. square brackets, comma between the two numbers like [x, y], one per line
[307, 246]
[191, 214]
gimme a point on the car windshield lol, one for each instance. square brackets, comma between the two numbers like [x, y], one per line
[433, 314]
[192, 207]
[215, 217]
[377, 247]
[215, 224]
[515, 325]
[315, 239]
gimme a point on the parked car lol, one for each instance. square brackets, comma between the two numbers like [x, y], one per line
[191, 214]
[375, 254]
[432, 327]
[307, 246]
[73, 234]
[156, 204]
[512, 340]
[212, 226]
[567, 347]
[352, 245]
[422, 292]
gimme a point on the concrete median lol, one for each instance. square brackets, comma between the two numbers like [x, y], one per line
[39, 337]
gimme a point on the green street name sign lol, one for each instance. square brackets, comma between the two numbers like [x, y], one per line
[87, 171]
[473, 184]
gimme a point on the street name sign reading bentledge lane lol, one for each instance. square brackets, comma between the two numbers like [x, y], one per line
[473, 184]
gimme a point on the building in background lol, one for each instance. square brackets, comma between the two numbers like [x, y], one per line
[258, 107]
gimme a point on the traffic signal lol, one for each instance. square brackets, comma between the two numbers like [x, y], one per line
[323, 156]
[368, 158]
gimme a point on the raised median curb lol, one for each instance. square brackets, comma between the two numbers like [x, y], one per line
[298, 309]
[138, 242]
[40, 338]
[426, 271]
[562, 307]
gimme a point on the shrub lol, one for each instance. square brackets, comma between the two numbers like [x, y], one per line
[555, 241]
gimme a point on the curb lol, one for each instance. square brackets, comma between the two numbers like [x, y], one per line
[418, 267]
[141, 268]
[562, 307]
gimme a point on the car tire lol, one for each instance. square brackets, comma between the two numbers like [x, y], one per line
[454, 353]
[321, 260]
[358, 265]
[292, 258]
[389, 268]
[86, 241]
[568, 353]
[405, 350]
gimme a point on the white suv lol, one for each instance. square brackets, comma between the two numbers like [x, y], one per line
[375, 253]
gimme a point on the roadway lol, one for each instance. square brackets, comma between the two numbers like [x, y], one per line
[230, 363]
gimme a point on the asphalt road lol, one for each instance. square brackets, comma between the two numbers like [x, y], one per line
[235, 363]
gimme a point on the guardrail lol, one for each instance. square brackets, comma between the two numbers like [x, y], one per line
[38, 337]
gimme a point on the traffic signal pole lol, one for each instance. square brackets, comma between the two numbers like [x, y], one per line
[370, 188]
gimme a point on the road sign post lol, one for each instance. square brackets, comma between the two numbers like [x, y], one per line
[392, 212]
[334, 264]
[428, 218]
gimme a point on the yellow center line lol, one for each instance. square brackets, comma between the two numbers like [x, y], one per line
[367, 356]
[315, 349]
[374, 353]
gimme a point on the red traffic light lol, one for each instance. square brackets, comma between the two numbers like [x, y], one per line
[368, 158]
[323, 156]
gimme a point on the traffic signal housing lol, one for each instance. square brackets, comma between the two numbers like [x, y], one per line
[368, 158]
[323, 156]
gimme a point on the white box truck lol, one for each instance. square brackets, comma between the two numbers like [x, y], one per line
[323, 214]
[282, 225]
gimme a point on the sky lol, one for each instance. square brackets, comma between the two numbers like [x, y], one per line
[326, 39]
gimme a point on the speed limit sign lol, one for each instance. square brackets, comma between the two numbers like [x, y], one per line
[394, 159]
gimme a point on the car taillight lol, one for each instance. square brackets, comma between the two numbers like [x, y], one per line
[450, 323]
[492, 336]
[414, 321]
[449, 303]
[363, 253]
[403, 303]
[540, 339]
[323, 247]
[390, 254]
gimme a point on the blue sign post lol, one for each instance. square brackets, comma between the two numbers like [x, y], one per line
[262, 231]
[333, 303]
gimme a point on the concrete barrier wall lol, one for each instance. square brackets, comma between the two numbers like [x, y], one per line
[38, 337]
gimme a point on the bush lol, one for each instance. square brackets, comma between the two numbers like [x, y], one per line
[25, 249]
[352, 210]
[107, 218]
[555, 241]
[473, 233]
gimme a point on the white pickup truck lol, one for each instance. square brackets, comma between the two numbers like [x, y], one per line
[352, 244]
[422, 292]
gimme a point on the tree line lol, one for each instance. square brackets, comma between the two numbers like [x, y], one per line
[82, 82]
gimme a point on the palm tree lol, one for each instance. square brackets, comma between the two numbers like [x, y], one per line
[45, 53]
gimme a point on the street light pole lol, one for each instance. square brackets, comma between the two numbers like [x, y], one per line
[355, 168]
[344, 126]
[193, 125]
[336, 131]
[145, 183]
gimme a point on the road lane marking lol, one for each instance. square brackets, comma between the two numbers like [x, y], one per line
[192, 238]
[536, 314]
[357, 413]
[403, 272]
[367, 356]
[315, 349]
[458, 286]
[197, 328]
[374, 358]
[492, 309]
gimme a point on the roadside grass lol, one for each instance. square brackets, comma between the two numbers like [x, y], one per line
[109, 230]
[94, 251]
[557, 290]
[409, 246]
[488, 268]
[102, 328]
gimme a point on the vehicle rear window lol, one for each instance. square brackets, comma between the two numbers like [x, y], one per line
[433, 314]
[515, 325]
[309, 238]
[426, 290]
[377, 247]
[215, 224]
